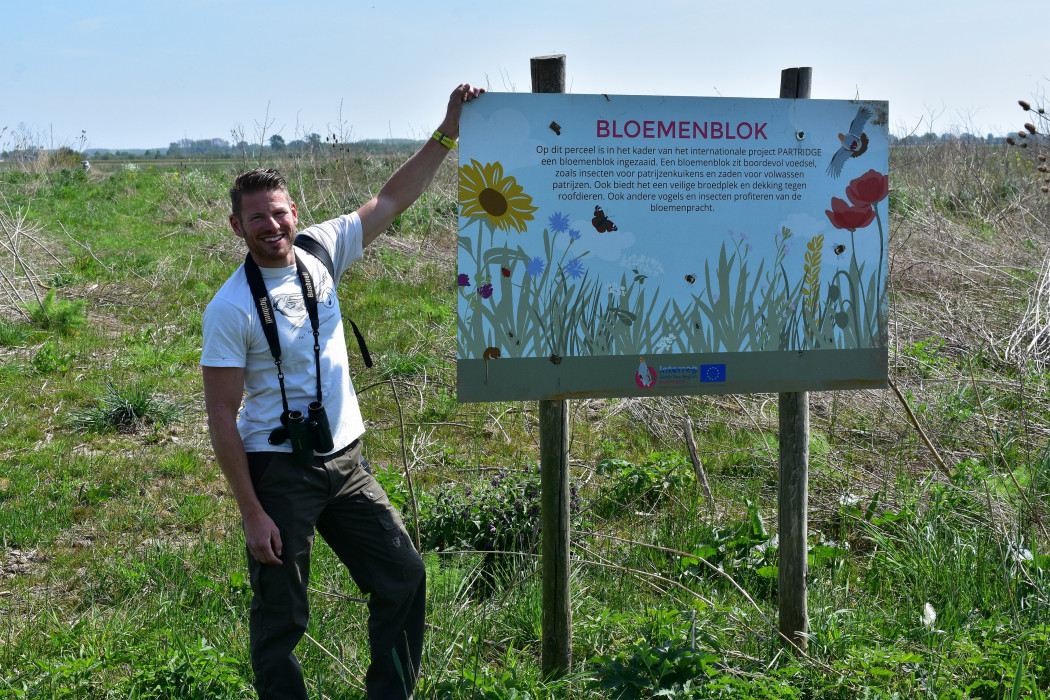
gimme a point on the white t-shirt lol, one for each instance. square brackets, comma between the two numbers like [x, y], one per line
[233, 337]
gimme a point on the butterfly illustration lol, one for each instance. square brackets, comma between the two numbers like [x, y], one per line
[600, 222]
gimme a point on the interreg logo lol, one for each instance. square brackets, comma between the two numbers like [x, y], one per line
[671, 373]
[678, 375]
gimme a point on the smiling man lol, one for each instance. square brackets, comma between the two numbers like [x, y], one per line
[273, 336]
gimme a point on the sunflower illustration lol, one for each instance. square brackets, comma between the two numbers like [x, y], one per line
[485, 193]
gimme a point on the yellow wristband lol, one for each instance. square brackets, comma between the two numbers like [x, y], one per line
[444, 140]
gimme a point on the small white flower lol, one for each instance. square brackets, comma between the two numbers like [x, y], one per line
[664, 344]
[929, 616]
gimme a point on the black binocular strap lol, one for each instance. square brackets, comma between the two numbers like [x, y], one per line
[269, 321]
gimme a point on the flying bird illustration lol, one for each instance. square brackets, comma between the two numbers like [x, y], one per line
[854, 143]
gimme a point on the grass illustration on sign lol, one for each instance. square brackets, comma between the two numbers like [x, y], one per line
[536, 297]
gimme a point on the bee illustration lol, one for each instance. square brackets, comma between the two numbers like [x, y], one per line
[600, 222]
[840, 249]
[690, 279]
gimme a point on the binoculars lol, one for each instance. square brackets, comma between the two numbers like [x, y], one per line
[308, 434]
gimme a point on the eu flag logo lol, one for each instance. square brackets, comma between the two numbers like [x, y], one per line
[712, 373]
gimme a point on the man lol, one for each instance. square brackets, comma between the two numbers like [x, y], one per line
[282, 349]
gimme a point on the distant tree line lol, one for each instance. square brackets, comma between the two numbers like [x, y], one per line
[930, 138]
[312, 143]
[218, 148]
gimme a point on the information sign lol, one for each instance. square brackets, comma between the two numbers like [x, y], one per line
[621, 245]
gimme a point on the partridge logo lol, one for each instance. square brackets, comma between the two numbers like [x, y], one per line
[645, 377]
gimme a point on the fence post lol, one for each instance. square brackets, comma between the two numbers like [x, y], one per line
[548, 75]
[793, 482]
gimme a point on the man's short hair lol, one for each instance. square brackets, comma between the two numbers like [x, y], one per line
[254, 181]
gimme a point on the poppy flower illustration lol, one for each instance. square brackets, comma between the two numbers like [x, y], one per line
[485, 192]
[843, 215]
[869, 188]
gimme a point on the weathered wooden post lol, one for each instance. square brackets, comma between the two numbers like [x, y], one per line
[548, 75]
[793, 496]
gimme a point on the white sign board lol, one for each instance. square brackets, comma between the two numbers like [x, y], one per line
[618, 245]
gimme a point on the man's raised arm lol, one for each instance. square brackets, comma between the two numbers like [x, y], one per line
[415, 175]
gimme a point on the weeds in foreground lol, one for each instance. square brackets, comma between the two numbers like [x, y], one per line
[58, 315]
[12, 333]
[128, 409]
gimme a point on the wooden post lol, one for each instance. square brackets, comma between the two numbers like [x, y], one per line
[793, 495]
[554, 510]
[548, 75]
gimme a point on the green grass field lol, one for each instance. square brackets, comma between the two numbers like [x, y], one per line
[122, 560]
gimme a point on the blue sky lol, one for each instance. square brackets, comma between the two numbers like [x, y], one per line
[143, 74]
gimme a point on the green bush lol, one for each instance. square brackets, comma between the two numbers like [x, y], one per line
[499, 517]
[642, 486]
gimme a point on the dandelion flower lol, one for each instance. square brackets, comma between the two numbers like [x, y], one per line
[485, 192]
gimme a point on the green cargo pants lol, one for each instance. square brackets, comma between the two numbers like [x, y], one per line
[340, 499]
